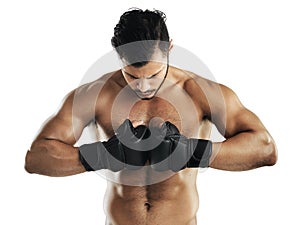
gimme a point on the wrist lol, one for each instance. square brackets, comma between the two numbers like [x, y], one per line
[200, 152]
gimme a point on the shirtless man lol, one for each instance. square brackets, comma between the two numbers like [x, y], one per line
[150, 92]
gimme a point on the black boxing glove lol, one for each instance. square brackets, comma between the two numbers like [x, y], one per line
[177, 152]
[133, 146]
[123, 150]
[189, 153]
[159, 156]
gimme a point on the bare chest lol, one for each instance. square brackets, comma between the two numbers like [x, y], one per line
[152, 113]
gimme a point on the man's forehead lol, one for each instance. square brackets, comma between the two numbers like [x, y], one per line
[148, 70]
[157, 56]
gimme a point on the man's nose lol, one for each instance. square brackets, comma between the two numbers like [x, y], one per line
[143, 85]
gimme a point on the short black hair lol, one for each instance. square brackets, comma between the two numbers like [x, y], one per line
[147, 29]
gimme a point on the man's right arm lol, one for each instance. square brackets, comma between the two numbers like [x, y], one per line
[52, 152]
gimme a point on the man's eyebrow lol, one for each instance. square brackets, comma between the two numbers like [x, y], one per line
[146, 77]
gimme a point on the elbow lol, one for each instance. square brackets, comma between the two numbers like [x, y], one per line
[270, 155]
[34, 163]
[28, 163]
[38, 160]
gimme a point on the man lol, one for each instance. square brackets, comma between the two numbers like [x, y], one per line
[156, 120]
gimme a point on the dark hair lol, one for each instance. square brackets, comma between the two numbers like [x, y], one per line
[147, 29]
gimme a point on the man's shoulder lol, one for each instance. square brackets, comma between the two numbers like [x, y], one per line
[107, 81]
[191, 81]
[87, 95]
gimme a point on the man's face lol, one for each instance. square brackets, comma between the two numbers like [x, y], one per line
[146, 80]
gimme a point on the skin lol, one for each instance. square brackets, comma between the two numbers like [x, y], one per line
[172, 201]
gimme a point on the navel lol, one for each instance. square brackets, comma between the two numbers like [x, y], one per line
[148, 205]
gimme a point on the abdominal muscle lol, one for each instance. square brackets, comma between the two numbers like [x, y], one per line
[173, 201]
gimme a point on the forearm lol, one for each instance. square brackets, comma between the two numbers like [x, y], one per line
[53, 158]
[244, 151]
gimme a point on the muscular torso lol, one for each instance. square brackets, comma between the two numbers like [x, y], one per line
[145, 196]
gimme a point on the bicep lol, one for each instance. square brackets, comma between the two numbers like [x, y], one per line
[65, 125]
[235, 118]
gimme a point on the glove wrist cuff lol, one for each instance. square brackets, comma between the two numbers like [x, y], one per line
[201, 151]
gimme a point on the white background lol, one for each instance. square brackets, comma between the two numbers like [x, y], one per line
[251, 46]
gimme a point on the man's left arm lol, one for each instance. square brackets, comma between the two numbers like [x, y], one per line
[248, 144]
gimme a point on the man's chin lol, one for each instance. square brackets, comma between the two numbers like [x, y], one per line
[146, 97]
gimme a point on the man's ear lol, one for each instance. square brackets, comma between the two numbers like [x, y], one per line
[171, 44]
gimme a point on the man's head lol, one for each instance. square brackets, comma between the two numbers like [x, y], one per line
[146, 31]
[142, 42]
